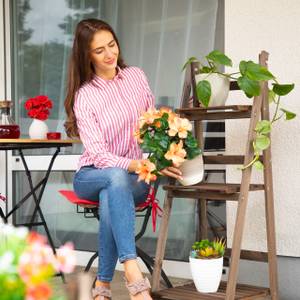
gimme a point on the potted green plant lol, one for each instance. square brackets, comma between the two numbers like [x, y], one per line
[206, 264]
[212, 87]
[169, 141]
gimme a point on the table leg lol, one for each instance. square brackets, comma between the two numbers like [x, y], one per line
[37, 200]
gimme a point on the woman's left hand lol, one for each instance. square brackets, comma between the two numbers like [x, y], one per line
[173, 172]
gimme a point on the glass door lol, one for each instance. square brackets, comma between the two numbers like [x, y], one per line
[156, 35]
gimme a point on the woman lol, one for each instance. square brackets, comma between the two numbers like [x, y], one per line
[104, 101]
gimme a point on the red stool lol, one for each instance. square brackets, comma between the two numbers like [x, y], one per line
[145, 210]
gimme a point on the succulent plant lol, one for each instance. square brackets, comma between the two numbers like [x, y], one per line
[208, 249]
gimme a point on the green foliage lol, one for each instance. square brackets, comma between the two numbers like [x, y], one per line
[249, 79]
[203, 90]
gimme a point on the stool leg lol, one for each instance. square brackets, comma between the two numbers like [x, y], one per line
[90, 262]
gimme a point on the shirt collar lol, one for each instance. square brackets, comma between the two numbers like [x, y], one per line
[102, 83]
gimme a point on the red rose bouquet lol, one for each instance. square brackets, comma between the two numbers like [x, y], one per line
[38, 107]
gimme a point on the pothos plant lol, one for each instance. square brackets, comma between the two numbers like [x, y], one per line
[248, 78]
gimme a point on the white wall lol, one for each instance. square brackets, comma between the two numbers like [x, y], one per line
[274, 26]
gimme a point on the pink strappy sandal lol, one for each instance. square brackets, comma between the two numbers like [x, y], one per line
[140, 286]
[101, 291]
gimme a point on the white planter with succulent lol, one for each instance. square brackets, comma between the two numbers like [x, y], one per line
[206, 264]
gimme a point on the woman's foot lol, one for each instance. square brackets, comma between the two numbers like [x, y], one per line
[102, 291]
[137, 285]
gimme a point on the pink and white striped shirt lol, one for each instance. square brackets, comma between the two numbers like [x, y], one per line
[107, 113]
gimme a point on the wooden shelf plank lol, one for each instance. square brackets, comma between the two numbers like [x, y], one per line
[189, 292]
[227, 188]
[216, 112]
[221, 159]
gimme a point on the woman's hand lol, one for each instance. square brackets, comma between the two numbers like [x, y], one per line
[173, 172]
[133, 165]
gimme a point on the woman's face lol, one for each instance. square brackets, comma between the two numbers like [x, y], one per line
[104, 52]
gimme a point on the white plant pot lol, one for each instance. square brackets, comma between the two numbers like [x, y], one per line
[206, 273]
[38, 130]
[219, 87]
[192, 171]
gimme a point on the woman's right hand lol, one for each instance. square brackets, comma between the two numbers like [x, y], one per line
[173, 171]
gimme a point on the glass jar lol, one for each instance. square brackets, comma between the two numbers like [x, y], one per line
[8, 128]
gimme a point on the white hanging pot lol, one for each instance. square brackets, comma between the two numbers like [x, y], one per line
[38, 130]
[192, 171]
[206, 273]
[219, 87]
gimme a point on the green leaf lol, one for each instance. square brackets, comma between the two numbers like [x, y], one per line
[203, 90]
[258, 165]
[190, 60]
[207, 70]
[263, 127]
[243, 67]
[288, 114]
[250, 87]
[192, 152]
[272, 96]
[219, 58]
[282, 89]
[257, 72]
[262, 142]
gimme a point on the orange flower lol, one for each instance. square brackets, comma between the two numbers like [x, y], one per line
[40, 291]
[144, 169]
[176, 153]
[169, 111]
[180, 126]
[148, 117]
[137, 135]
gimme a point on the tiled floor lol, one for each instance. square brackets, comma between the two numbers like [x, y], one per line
[118, 286]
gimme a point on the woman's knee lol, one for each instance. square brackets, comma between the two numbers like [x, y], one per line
[119, 177]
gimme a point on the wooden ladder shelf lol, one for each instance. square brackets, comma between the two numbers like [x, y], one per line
[230, 192]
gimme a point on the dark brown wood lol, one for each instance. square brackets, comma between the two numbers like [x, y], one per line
[218, 115]
[249, 255]
[243, 199]
[269, 203]
[234, 86]
[205, 195]
[228, 188]
[186, 87]
[224, 159]
[189, 292]
[161, 242]
[189, 110]
[203, 219]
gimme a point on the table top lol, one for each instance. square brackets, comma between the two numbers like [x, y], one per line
[14, 144]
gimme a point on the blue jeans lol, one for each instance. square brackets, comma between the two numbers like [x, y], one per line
[118, 192]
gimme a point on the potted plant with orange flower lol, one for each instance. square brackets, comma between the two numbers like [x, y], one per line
[169, 141]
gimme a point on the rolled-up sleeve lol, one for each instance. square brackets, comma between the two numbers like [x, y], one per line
[92, 137]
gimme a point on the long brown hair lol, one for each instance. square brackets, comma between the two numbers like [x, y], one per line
[81, 69]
